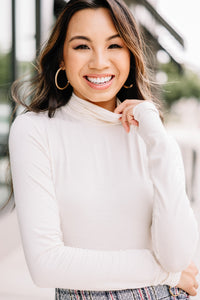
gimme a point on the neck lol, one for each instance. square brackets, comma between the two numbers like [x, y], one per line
[109, 105]
[94, 111]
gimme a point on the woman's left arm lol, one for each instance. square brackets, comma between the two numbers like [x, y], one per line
[174, 228]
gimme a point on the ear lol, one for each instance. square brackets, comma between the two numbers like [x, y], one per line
[62, 65]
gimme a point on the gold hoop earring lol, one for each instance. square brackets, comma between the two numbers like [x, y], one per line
[128, 86]
[56, 81]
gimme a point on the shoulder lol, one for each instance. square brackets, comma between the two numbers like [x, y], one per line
[28, 125]
[29, 119]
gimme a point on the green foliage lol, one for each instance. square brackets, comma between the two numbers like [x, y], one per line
[183, 84]
[5, 70]
[5, 76]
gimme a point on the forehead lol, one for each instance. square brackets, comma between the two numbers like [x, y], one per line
[91, 22]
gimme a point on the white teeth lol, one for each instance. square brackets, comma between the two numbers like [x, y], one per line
[99, 80]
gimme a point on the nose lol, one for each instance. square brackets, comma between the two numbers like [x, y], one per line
[99, 60]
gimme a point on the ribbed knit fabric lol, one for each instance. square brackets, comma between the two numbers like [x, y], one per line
[100, 209]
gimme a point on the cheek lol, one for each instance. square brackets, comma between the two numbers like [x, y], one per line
[124, 62]
[71, 69]
[73, 64]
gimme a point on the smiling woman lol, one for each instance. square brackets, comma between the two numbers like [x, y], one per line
[98, 184]
[97, 62]
[46, 96]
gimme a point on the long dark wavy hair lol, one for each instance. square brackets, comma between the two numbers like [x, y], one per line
[43, 94]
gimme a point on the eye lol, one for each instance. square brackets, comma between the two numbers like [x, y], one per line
[115, 46]
[81, 47]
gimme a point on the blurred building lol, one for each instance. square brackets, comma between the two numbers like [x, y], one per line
[28, 24]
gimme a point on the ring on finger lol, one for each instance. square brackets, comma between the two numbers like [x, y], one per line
[178, 292]
[130, 117]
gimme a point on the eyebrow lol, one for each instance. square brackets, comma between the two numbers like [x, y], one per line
[82, 37]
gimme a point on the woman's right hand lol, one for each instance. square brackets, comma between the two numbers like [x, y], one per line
[188, 281]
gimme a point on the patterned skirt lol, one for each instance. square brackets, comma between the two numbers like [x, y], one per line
[160, 292]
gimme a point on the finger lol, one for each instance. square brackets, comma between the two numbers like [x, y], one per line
[134, 122]
[194, 268]
[120, 108]
[130, 118]
[129, 111]
[196, 285]
[125, 122]
[128, 115]
[192, 292]
[126, 126]
[196, 271]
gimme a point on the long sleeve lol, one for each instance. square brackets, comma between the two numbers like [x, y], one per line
[174, 228]
[50, 261]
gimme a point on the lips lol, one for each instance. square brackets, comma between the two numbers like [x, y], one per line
[99, 80]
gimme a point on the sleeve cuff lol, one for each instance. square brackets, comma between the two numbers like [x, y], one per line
[173, 279]
[150, 128]
[144, 106]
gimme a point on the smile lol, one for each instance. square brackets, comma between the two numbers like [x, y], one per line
[99, 80]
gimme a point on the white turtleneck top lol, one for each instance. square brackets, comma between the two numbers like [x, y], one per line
[99, 208]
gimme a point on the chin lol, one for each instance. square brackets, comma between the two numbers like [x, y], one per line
[101, 97]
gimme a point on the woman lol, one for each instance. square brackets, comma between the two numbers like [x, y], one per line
[98, 184]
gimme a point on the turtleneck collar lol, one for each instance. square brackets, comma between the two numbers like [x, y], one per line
[91, 112]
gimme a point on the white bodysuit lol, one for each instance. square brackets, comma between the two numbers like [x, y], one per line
[99, 208]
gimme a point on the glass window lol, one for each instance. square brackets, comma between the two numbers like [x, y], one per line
[16, 56]
[5, 82]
